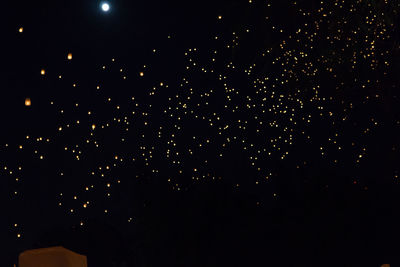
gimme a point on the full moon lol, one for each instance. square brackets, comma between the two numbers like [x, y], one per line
[105, 7]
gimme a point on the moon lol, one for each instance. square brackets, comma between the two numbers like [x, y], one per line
[105, 7]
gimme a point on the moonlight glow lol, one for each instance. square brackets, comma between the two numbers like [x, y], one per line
[105, 7]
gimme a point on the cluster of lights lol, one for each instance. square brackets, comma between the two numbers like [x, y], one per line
[257, 110]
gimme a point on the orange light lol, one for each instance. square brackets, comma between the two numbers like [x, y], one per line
[43, 72]
[69, 56]
[141, 74]
[21, 29]
[28, 102]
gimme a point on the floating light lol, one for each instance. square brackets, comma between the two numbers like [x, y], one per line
[28, 102]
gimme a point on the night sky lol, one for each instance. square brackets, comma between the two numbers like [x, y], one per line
[208, 133]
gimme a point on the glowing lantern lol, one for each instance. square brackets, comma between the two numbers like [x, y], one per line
[21, 29]
[93, 127]
[28, 102]
[69, 56]
[43, 72]
[141, 74]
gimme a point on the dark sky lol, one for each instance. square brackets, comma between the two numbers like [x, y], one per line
[212, 133]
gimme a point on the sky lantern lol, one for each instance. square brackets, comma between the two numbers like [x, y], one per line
[141, 73]
[28, 102]
[69, 56]
[43, 72]
[21, 29]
